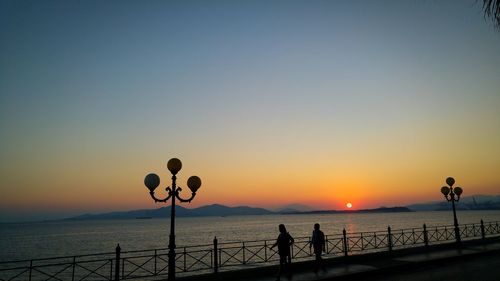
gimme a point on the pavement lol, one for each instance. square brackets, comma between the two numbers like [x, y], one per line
[474, 268]
[436, 263]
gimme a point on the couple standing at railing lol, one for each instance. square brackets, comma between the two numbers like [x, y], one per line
[285, 241]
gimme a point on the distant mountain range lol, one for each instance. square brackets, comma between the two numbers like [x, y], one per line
[476, 202]
[217, 210]
[163, 212]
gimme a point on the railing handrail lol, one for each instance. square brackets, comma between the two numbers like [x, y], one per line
[60, 257]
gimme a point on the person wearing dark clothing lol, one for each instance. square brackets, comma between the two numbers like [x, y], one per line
[318, 244]
[284, 241]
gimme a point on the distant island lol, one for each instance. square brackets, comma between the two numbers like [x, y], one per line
[377, 210]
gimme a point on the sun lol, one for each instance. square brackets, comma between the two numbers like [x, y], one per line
[348, 205]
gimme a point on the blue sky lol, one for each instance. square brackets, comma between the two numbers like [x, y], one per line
[274, 94]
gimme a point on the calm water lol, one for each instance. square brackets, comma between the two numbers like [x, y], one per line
[48, 239]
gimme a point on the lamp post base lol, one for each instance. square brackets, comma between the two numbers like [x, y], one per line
[171, 265]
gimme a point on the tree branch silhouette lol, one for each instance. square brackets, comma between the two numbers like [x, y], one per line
[491, 10]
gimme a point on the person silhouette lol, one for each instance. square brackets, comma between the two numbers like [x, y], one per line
[318, 244]
[284, 241]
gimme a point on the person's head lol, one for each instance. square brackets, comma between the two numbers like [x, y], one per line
[316, 226]
[282, 228]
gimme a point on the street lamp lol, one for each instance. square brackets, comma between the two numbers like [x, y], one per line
[152, 181]
[450, 193]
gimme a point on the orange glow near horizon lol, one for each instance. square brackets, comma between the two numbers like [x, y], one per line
[242, 186]
[99, 193]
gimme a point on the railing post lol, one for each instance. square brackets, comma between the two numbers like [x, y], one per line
[156, 262]
[483, 233]
[426, 237]
[31, 269]
[184, 259]
[220, 258]
[265, 250]
[73, 269]
[216, 260]
[389, 238]
[117, 264]
[243, 249]
[326, 245]
[110, 270]
[344, 242]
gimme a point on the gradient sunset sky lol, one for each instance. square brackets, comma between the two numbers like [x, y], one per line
[268, 102]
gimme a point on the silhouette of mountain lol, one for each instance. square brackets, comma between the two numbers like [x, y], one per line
[293, 208]
[144, 213]
[163, 212]
[221, 210]
[474, 202]
[216, 210]
[377, 210]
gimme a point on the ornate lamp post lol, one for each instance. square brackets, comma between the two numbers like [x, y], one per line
[152, 181]
[450, 193]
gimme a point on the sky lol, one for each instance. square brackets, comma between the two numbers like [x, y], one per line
[268, 102]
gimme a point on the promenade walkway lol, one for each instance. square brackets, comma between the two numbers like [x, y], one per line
[398, 265]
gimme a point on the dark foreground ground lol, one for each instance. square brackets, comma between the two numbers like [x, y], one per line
[478, 268]
[471, 262]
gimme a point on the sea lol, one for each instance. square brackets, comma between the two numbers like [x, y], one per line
[23, 241]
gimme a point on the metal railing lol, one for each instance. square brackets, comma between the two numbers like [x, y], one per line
[152, 264]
